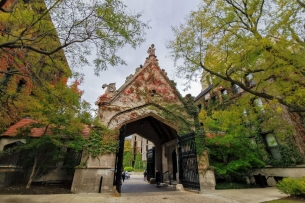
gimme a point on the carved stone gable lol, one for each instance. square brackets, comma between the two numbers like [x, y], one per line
[146, 92]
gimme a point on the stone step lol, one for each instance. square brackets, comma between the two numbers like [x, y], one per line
[166, 183]
[173, 182]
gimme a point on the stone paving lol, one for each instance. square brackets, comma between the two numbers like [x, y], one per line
[138, 191]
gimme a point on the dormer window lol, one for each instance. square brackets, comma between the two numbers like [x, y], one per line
[236, 89]
[249, 80]
[20, 85]
[207, 97]
[199, 107]
[213, 98]
[224, 92]
[259, 104]
[273, 146]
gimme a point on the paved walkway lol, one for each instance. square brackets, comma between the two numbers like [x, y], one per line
[135, 190]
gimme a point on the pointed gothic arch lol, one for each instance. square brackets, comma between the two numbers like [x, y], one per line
[154, 110]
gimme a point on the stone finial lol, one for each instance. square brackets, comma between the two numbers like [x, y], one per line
[139, 68]
[151, 50]
[152, 58]
[110, 87]
[128, 78]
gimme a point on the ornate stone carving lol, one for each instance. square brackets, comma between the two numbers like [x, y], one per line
[151, 50]
[128, 78]
[110, 87]
[139, 68]
[152, 58]
[164, 71]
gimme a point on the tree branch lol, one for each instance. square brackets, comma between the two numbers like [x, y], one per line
[292, 108]
[301, 3]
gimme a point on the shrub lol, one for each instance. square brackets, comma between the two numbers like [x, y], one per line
[292, 186]
[128, 168]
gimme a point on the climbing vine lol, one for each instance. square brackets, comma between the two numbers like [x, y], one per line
[101, 140]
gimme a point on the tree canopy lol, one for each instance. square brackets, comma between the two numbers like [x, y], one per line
[79, 25]
[127, 146]
[37, 37]
[237, 136]
[236, 39]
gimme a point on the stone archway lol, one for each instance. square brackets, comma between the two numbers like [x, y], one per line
[154, 130]
[147, 96]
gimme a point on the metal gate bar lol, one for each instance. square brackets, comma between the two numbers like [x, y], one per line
[119, 160]
[150, 163]
[188, 166]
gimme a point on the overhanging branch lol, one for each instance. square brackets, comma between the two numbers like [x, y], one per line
[291, 107]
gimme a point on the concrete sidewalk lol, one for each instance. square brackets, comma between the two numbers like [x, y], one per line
[138, 191]
[255, 195]
[219, 196]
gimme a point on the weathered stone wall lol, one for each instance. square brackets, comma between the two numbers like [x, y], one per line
[87, 179]
[269, 173]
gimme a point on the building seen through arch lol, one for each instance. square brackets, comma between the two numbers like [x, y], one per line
[140, 145]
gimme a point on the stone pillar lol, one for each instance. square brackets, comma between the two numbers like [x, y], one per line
[88, 178]
[177, 174]
[170, 158]
[207, 180]
[206, 175]
[158, 158]
[164, 158]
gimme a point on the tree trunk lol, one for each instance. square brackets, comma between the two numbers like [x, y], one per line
[33, 172]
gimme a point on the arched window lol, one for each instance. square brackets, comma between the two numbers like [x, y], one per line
[236, 89]
[259, 104]
[10, 158]
[249, 80]
[20, 85]
[199, 107]
[273, 146]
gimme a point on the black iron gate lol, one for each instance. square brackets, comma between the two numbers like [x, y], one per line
[119, 161]
[150, 163]
[188, 167]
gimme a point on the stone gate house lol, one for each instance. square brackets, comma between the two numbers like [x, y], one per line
[149, 105]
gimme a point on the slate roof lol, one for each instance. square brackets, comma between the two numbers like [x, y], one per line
[204, 92]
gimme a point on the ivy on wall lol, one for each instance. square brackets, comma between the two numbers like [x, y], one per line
[101, 140]
[152, 89]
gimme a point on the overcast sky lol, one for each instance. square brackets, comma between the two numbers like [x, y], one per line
[162, 14]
